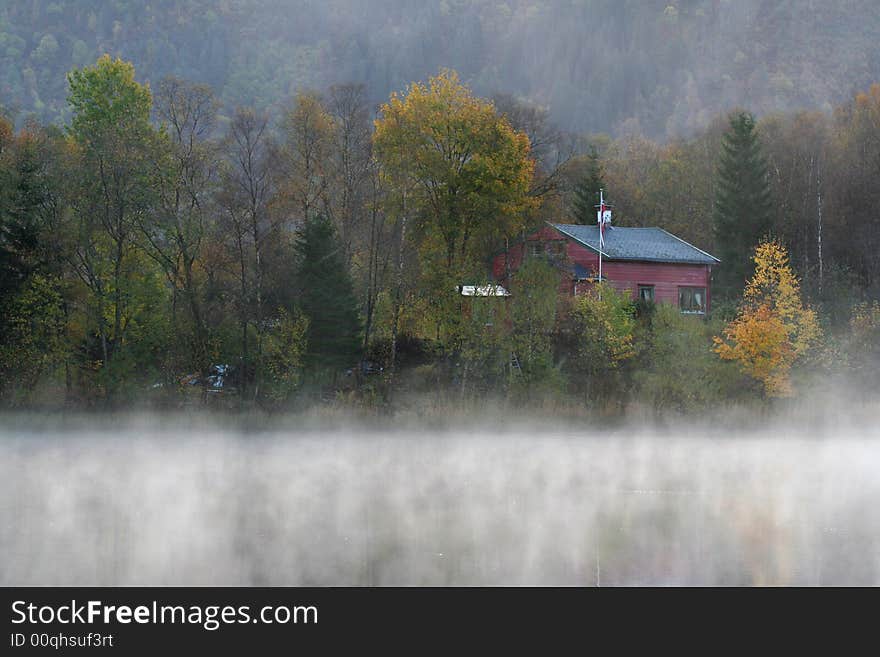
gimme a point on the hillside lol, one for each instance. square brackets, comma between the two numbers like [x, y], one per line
[661, 68]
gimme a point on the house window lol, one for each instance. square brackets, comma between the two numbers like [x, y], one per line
[556, 248]
[549, 249]
[692, 300]
[646, 293]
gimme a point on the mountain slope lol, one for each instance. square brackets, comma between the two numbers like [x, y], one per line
[657, 67]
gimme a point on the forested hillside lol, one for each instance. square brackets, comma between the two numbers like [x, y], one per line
[658, 67]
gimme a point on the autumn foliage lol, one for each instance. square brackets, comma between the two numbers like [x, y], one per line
[467, 169]
[462, 172]
[773, 329]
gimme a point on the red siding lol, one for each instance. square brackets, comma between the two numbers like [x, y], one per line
[586, 258]
[545, 234]
[666, 277]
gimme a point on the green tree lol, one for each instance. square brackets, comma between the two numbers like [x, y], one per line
[603, 328]
[326, 297]
[113, 137]
[586, 191]
[21, 194]
[484, 352]
[34, 336]
[742, 211]
[283, 354]
[677, 370]
[535, 292]
[32, 292]
[862, 345]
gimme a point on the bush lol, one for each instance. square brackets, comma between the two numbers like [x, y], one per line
[602, 333]
[535, 294]
[677, 370]
[283, 351]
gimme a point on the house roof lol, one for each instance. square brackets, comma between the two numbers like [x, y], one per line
[645, 244]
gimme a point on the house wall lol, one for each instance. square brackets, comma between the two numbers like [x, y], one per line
[517, 252]
[622, 275]
[666, 278]
[586, 258]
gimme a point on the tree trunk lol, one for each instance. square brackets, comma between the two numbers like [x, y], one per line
[259, 309]
[244, 316]
[398, 289]
[819, 223]
[196, 311]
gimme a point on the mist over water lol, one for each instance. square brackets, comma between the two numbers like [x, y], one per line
[189, 503]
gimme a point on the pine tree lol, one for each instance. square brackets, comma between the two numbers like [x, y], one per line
[586, 192]
[327, 298]
[742, 204]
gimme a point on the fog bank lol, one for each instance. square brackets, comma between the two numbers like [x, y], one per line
[187, 504]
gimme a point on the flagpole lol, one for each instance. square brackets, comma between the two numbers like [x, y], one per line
[601, 207]
[602, 217]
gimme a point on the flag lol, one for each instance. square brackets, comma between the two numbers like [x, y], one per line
[603, 217]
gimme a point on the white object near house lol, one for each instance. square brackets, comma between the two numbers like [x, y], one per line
[483, 291]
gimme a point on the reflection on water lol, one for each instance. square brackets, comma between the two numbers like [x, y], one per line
[179, 506]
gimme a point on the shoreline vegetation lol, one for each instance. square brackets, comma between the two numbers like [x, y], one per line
[822, 415]
[155, 256]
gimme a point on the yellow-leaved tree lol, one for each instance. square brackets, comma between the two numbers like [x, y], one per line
[773, 329]
[461, 172]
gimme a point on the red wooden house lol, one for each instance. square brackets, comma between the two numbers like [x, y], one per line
[649, 263]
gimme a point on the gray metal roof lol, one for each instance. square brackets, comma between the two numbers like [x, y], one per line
[646, 244]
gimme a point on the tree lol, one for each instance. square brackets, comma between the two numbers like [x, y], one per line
[247, 189]
[33, 294]
[863, 344]
[534, 289]
[111, 130]
[797, 148]
[484, 354]
[469, 172]
[551, 149]
[677, 190]
[22, 194]
[742, 202]
[586, 191]
[34, 336]
[629, 164]
[677, 369]
[186, 174]
[773, 329]
[603, 328]
[853, 238]
[308, 138]
[354, 169]
[284, 352]
[326, 297]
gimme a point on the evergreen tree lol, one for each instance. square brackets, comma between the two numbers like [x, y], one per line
[586, 192]
[327, 298]
[21, 196]
[742, 203]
